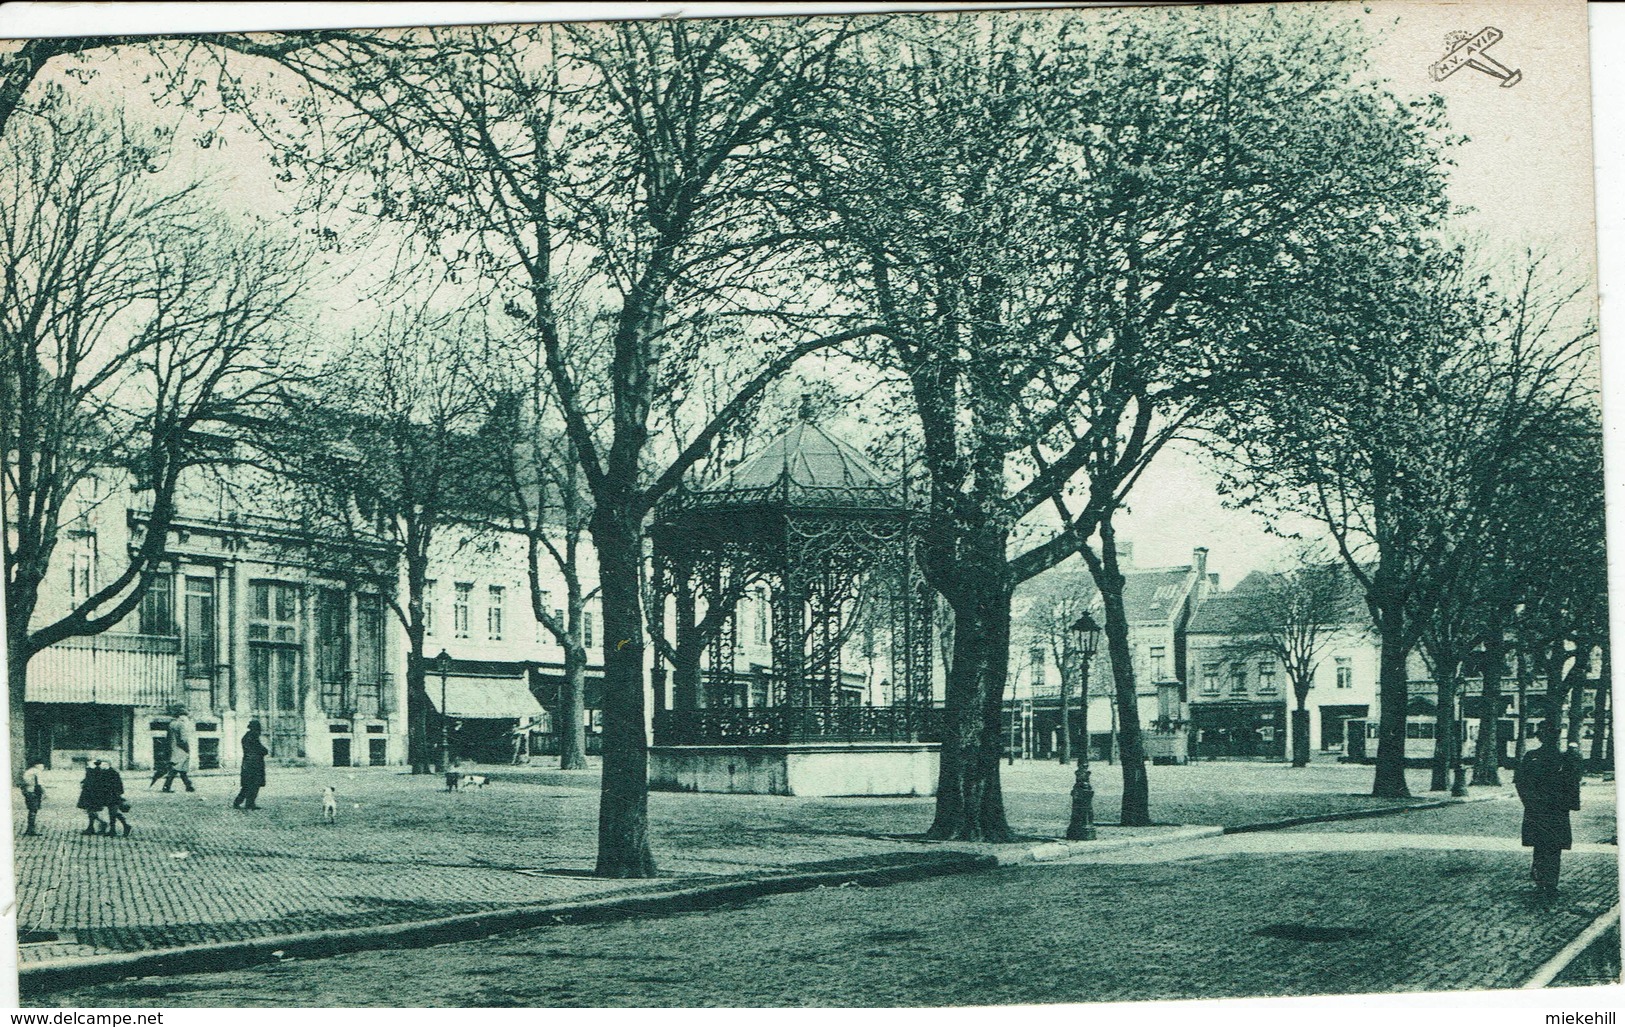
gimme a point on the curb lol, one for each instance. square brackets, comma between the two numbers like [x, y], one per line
[1569, 953]
[1354, 814]
[1062, 849]
[48, 975]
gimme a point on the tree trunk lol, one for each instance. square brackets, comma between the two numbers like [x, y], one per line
[1487, 759]
[1300, 726]
[1393, 694]
[1063, 752]
[573, 710]
[417, 714]
[17, 690]
[1526, 677]
[1603, 722]
[686, 691]
[970, 803]
[1576, 689]
[1109, 582]
[1444, 729]
[623, 805]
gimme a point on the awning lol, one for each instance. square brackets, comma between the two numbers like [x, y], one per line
[483, 698]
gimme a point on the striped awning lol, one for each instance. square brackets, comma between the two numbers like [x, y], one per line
[483, 698]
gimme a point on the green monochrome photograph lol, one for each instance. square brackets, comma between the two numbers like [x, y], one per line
[806, 505]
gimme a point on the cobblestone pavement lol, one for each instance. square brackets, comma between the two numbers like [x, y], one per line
[196, 870]
[1273, 915]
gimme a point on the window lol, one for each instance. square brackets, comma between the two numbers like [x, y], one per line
[586, 630]
[1159, 663]
[428, 608]
[332, 637]
[1266, 677]
[1035, 657]
[200, 624]
[158, 606]
[1238, 678]
[81, 567]
[273, 645]
[1345, 672]
[459, 610]
[369, 640]
[1210, 679]
[493, 613]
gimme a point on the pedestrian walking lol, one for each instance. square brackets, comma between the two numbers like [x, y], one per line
[181, 737]
[113, 793]
[33, 794]
[1548, 783]
[93, 796]
[252, 777]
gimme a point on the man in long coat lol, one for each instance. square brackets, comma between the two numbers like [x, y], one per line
[181, 738]
[1548, 782]
[252, 776]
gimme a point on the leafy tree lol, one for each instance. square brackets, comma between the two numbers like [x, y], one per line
[1080, 237]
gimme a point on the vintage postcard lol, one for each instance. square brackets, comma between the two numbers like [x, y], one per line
[838, 506]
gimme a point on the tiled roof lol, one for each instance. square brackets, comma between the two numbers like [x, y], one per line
[1148, 596]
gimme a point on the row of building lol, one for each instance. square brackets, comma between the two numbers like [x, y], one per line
[247, 620]
[1208, 690]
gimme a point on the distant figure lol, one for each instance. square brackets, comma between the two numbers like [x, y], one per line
[1548, 782]
[93, 796]
[330, 804]
[253, 773]
[33, 794]
[113, 794]
[181, 738]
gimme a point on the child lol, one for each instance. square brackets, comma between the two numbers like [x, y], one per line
[113, 792]
[93, 796]
[33, 794]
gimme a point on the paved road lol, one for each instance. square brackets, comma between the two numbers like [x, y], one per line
[1430, 900]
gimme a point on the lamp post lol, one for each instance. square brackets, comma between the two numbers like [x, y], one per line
[1458, 740]
[443, 664]
[1082, 826]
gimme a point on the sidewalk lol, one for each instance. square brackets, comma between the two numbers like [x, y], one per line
[197, 872]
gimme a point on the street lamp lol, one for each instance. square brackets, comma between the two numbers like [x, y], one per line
[443, 664]
[1082, 826]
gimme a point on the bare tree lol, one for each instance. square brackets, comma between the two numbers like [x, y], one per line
[1291, 616]
[136, 325]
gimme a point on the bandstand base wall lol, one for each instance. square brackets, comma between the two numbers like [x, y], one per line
[878, 768]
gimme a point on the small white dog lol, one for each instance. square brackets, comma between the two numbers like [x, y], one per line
[471, 781]
[330, 804]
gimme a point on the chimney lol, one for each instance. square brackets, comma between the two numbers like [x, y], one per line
[1125, 554]
[1199, 561]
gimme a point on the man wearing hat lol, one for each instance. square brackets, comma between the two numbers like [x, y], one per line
[181, 738]
[1548, 783]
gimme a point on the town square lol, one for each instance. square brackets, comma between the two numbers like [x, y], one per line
[966, 508]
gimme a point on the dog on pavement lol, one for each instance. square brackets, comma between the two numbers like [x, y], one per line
[330, 804]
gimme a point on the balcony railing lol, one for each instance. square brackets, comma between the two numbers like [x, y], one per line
[110, 668]
[785, 725]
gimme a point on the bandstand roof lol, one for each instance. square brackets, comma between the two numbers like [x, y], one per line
[805, 468]
[810, 457]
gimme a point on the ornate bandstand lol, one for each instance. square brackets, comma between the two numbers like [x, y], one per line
[815, 534]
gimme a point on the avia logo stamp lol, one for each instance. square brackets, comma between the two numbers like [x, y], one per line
[1472, 51]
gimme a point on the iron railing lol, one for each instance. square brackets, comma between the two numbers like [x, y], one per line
[785, 725]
